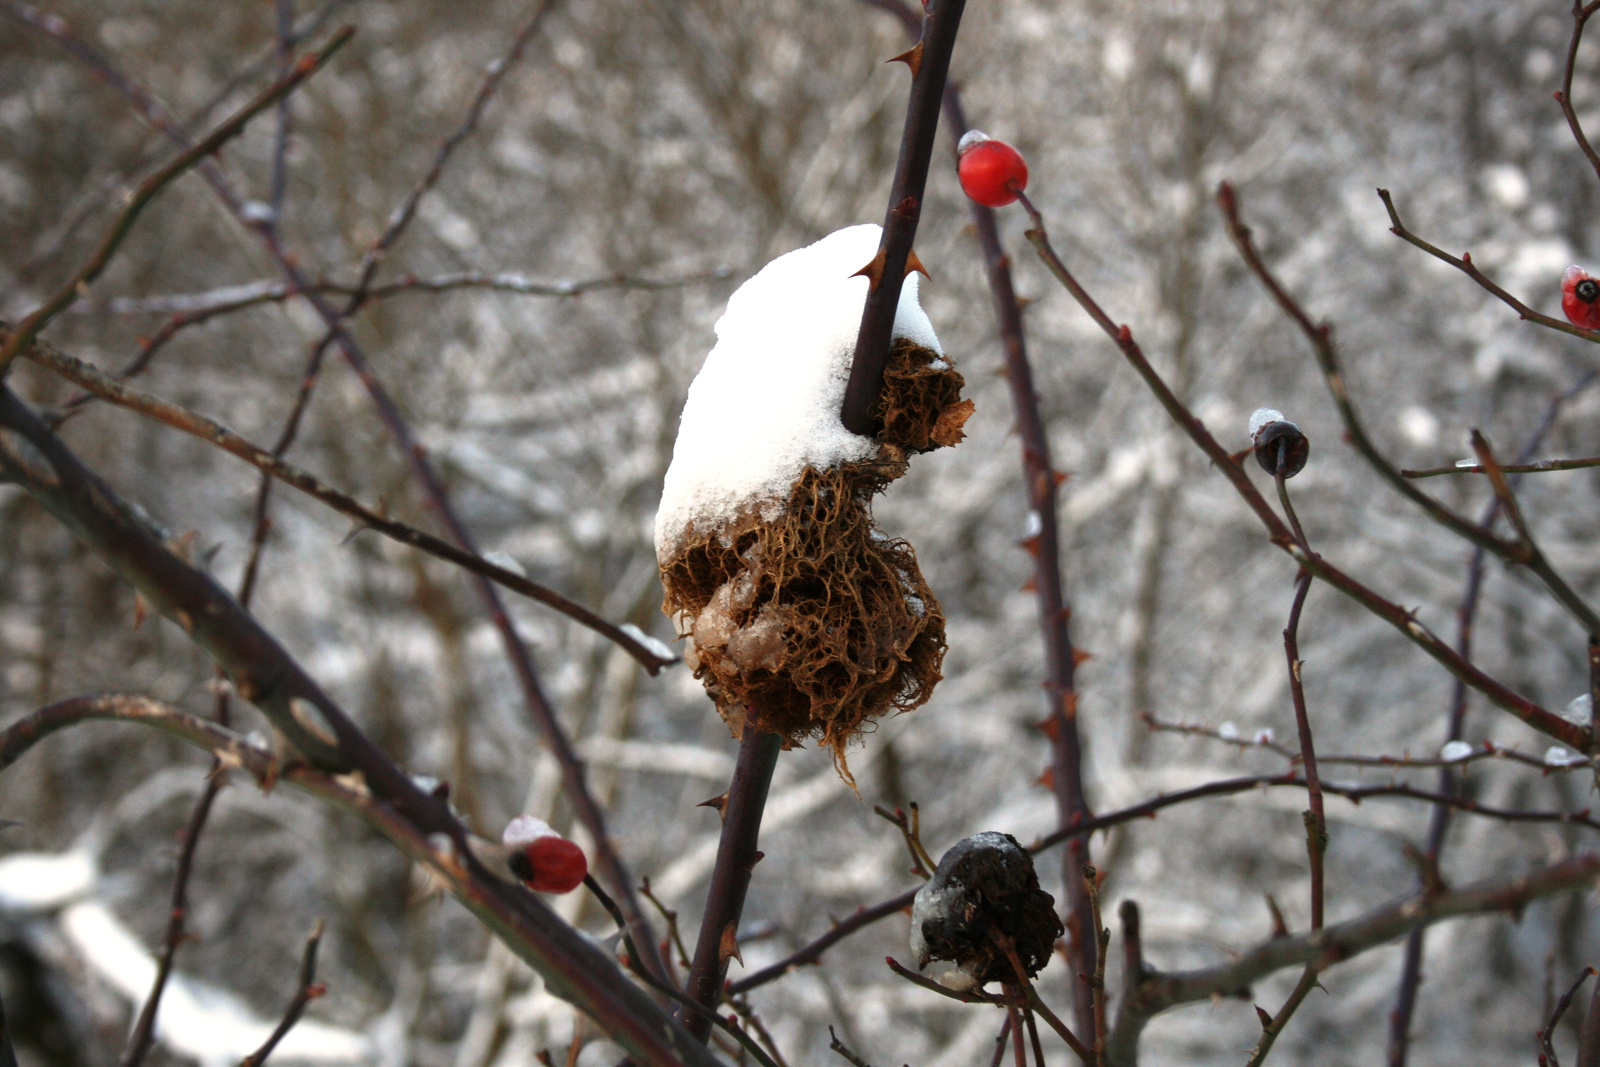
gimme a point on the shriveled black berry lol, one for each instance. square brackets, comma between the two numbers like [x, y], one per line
[985, 884]
[1587, 290]
[1282, 443]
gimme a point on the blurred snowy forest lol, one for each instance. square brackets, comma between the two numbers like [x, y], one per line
[675, 148]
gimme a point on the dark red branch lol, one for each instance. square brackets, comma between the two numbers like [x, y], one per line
[900, 221]
[730, 877]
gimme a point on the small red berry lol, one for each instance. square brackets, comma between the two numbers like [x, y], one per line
[992, 172]
[542, 859]
[558, 865]
[1580, 298]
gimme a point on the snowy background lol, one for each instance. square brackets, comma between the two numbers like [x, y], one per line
[663, 140]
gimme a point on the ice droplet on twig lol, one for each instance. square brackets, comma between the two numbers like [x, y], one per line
[1561, 756]
[1454, 751]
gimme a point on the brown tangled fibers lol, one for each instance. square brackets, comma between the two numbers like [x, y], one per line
[810, 624]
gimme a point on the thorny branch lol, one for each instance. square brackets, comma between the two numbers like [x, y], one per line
[1509, 468]
[420, 825]
[1580, 18]
[573, 772]
[930, 64]
[1539, 718]
[740, 811]
[1320, 335]
[263, 672]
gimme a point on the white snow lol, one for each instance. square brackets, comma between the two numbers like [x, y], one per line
[1260, 417]
[1455, 750]
[506, 562]
[1228, 731]
[1264, 736]
[1578, 710]
[969, 139]
[1558, 756]
[43, 881]
[524, 829]
[766, 403]
[654, 645]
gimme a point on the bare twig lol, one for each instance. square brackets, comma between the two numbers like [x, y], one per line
[1589, 1034]
[1449, 783]
[922, 865]
[1157, 992]
[143, 1035]
[308, 990]
[812, 953]
[865, 917]
[1546, 1034]
[147, 191]
[1534, 558]
[1509, 468]
[839, 1046]
[573, 773]
[107, 388]
[1488, 751]
[1466, 266]
[1580, 17]
[1320, 336]
[1043, 543]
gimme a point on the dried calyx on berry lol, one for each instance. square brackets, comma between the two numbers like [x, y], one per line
[1279, 443]
[984, 895]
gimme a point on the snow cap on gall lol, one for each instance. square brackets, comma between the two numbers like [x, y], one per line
[1580, 298]
[991, 172]
[1278, 442]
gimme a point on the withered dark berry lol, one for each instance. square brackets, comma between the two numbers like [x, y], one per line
[1278, 443]
[985, 886]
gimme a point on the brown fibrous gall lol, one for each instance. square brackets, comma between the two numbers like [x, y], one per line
[812, 623]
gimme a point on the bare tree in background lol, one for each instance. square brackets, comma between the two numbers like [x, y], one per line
[437, 288]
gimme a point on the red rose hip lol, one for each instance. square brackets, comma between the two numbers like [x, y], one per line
[1580, 298]
[991, 172]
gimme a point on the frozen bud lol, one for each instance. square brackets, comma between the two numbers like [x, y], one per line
[1454, 751]
[542, 859]
[985, 885]
[256, 211]
[1559, 756]
[1228, 731]
[1264, 736]
[1278, 442]
[1579, 710]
